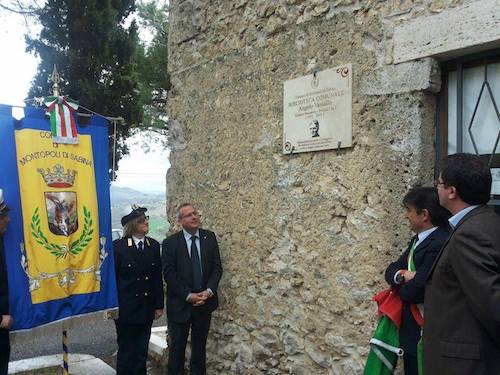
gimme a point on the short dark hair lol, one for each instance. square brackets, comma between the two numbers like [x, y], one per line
[427, 198]
[470, 175]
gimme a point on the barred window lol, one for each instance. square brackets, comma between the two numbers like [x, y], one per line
[469, 112]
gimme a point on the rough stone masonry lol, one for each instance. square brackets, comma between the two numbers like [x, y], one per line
[304, 238]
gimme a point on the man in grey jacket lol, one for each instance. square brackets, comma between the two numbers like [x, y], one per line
[462, 296]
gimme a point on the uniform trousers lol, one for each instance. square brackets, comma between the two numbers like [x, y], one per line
[4, 351]
[178, 333]
[133, 341]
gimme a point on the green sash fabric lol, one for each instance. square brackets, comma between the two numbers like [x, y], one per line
[411, 264]
[384, 350]
[411, 267]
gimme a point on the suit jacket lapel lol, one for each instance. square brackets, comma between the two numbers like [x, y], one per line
[184, 253]
[422, 245]
[203, 251]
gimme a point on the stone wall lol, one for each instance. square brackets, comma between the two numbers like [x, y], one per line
[304, 238]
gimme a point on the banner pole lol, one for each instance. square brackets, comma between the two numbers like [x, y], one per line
[65, 352]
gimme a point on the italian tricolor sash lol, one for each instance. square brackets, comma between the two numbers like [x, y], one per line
[384, 346]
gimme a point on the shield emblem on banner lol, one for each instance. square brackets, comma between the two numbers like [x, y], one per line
[62, 213]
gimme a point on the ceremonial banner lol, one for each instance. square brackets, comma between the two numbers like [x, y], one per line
[58, 245]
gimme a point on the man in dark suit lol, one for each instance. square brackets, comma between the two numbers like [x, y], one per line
[462, 295]
[192, 269]
[429, 221]
[140, 291]
[6, 319]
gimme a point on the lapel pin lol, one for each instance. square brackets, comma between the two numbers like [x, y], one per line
[129, 242]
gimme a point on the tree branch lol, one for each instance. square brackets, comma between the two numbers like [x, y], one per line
[19, 8]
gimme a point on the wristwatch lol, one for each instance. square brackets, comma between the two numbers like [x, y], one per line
[400, 278]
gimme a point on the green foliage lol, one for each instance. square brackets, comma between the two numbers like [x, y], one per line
[95, 54]
[104, 65]
[153, 63]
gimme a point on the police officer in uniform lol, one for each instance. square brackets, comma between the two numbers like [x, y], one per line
[140, 291]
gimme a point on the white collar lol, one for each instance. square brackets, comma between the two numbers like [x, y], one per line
[455, 219]
[188, 235]
[423, 235]
[137, 240]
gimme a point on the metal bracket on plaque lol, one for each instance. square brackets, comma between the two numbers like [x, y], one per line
[289, 147]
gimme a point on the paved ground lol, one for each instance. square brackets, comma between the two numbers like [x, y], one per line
[98, 340]
[50, 365]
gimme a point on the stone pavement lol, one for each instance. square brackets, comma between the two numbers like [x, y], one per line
[84, 364]
[79, 364]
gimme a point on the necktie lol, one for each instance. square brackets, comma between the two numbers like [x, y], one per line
[195, 260]
[140, 246]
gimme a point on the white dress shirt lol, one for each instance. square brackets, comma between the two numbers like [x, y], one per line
[455, 219]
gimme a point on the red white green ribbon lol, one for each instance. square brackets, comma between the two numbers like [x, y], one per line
[411, 263]
[62, 118]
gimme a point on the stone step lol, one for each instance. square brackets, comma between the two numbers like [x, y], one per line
[79, 364]
[158, 344]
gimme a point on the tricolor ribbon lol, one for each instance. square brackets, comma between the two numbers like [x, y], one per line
[62, 118]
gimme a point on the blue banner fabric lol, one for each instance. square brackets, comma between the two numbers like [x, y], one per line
[58, 244]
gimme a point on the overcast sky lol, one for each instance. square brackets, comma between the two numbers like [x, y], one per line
[140, 170]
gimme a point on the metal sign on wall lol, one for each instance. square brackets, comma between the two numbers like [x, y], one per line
[317, 111]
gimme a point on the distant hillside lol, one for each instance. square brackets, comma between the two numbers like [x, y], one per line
[123, 197]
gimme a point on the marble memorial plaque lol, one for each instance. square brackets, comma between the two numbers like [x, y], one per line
[317, 111]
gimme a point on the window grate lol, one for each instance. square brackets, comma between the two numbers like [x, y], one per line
[468, 115]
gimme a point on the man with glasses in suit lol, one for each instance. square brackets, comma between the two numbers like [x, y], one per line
[462, 294]
[192, 270]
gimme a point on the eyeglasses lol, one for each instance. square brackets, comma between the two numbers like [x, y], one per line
[437, 183]
[143, 219]
[194, 213]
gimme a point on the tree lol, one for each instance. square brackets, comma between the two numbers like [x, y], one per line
[152, 64]
[96, 56]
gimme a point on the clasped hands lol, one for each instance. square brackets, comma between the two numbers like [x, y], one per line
[199, 299]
